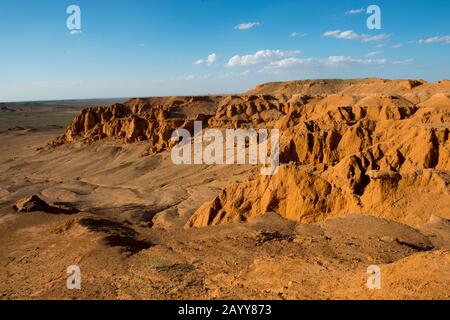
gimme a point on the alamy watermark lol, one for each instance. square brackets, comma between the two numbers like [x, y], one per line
[239, 146]
[374, 20]
[374, 279]
[73, 22]
[74, 279]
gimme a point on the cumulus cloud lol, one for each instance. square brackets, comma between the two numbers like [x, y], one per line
[235, 74]
[347, 60]
[289, 63]
[192, 77]
[247, 25]
[338, 34]
[208, 61]
[379, 38]
[277, 61]
[260, 57]
[374, 53]
[356, 11]
[435, 39]
[297, 34]
[406, 61]
[350, 35]
[329, 62]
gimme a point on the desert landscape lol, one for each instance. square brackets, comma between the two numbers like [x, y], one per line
[364, 180]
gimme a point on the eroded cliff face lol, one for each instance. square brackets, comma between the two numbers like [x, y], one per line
[367, 146]
[379, 148]
[150, 119]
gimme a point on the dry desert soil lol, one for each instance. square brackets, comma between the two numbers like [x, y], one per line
[364, 180]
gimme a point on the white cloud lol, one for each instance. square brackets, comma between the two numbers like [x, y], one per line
[338, 61]
[235, 74]
[407, 61]
[208, 61]
[192, 77]
[350, 35]
[297, 34]
[277, 61]
[435, 39]
[335, 34]
[347, 35]
[329, 62]
[247, 25]
[260, 57]
[356, 11]
[289, 63]
[374, 53]
[397, 46]
[378, 38]
[378, 46]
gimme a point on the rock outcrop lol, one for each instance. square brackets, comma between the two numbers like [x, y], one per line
[35, 204]
[365, 146]
[152, 119]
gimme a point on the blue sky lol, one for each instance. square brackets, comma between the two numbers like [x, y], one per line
[180, 47]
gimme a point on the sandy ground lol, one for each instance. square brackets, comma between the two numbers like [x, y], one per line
[129, 240]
